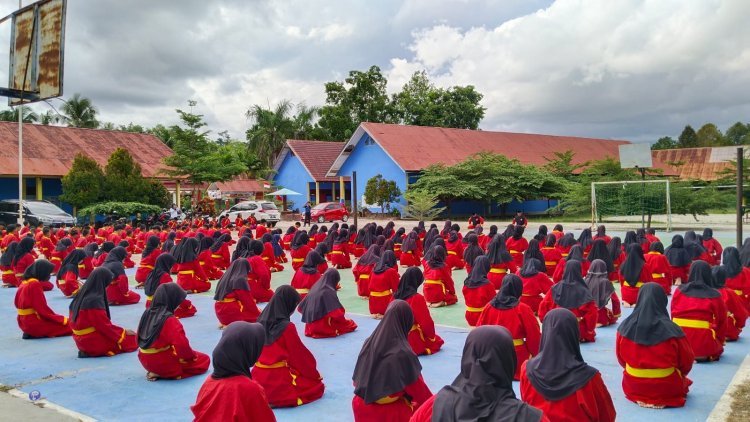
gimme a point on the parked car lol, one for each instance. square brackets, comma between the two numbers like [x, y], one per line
[329, 211]
[35, 212]
[262, 210]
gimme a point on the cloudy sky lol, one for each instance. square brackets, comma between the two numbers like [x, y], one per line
[625, 69]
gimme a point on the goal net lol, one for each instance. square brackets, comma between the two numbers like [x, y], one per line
[632, 201]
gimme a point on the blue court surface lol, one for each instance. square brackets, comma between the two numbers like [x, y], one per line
[116, 388]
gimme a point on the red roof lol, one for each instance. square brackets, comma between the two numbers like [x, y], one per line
[317, 157]
[49, 150]
[697, 163]
[240, 186]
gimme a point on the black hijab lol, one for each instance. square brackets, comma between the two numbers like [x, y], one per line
[597, 280]
[437, 257]
[656, 247]
[25, 246]
[483, 391]
[6, 259]
[550, 241]
[409, 284]
[533, 251]
[114, 261]
[532, 267]
[314, 230]
[105, 248]
[322, 249]
[518, 232]
[571, 292]
[300, 239]
[275, 316]
[649, 324]
[479, 270]
[187, 250]
[312, 260]
[699, 282]
[255, 248]
[41, 270]
[234, 278]
[473, 250]
[633, 265]
[206, 243]
[343, 237]
[601, 231]
[731, 260]
[446, 228]
[630, 238]
[541, 234]
[169, 243]
[90, 249]
[429, 238]
[93, 293]
[387, 260]
[718, 277]
[220, 241]
[559, 370]
[615, 248]
[599, 251]
[496, 251]
[567, 241]
[243, 248]
[371, 257]
[510, 293]
[322, 298]
[708, 234]
[410, 242]
[676, 253]
[693, 245]
[386, 364]
[70, 263]
[151, 245]
[63, 244]
[509, 230]
[585, 239]
[163, 264]
[492, 233]
[166, 299]
[745, 253]
[238, 349]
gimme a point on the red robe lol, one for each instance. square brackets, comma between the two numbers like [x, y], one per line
[286, 241]
[146, 265]
[35, 317]
[288, 371]
[630, 293]
[587, 315]
[424, 413]
[410, 259]
[551, 257]
[395, 407]
[20, 268]
[236, 306]
[668, 387]
[381, 287]
[68, 283]
[605, 238]
[260, 230]
[560, 269]
[661, 272]
[170, 355]
[517, 247]
[483, 240]
[191, 278]
[534, 290]
[680, 273]
[476, 298]
[741, 286]
[704, 322]
[523, 326]
[46, 246]
[339, 256]
[95, 334]
[184, 310]
[303, 282]
[332, 324]
[498, 272]
[736, 314]
[299, 255]
[207, 264]
[119, 293]
[455, 254]
[9, 275]
[362, 278]
[438, 285]
[591, 402]
[714, 249]
[609, 316]
[237, 398]
[259, 279]
[422, 337]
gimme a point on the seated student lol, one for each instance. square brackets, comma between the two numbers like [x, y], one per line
[234, 299]
[634, 272]
[67, 275]
[410, 255]
[190, 275]
[362, 271]
[64, 246]
[322, 250]
[699, 309]
[6, 266]
[307, 275]
[738, 277]
[268, 256]
[575, 253]
[340, 253]
[118, 292]
[93, 331]
[35, 318]
[259, 277]
[128, 261]
[475, 221]
[286, 240]
[322, 312]
[230, 393]
[695, 248]
[679, 259]
[601, 234]
[501, 262]
[661, 272]
[220, 252]
[517, 245]
[384, 281]
[160, 275]
[388, 384]
[573, 294]
[439, 289]
[300, 249]
[507, 311]
[163, 347]
[604, 293]
[477, 290]
[148, 258]
[286, 369]
[455, 249]
[471, 251]
[536, 283]
[558, 381]
[206, 261]
[101, 253]
[422, 336]
[484, 388]
[736, 312]
[564, 244]
[712, 246]
[279, 255]
[617, 255]
[23, 259]
[655, 354]
[398, 240]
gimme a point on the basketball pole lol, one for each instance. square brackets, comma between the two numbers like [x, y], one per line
[740, 168]
[20, 150]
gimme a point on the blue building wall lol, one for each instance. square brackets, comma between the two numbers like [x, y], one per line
[292, 175]
[532, 207]
[8, 188]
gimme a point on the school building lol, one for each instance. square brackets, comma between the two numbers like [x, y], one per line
[48, 153]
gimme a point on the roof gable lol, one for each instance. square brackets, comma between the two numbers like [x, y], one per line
[316, 157]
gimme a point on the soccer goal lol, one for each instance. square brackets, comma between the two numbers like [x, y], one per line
[632, 201]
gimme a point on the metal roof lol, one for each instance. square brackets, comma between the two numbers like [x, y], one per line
[239, 186]
[698, 163]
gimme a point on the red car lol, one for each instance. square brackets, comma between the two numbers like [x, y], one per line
[329, 211]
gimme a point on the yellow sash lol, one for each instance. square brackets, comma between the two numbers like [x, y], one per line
[649, 373]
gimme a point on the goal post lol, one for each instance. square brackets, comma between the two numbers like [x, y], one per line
[625, 201]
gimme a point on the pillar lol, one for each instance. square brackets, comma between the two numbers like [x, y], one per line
[177, 193]
[317, 192]
[342, 188]
[333, 191]
[39, 193]
[307, 191]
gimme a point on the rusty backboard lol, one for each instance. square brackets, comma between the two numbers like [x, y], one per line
[36, 50]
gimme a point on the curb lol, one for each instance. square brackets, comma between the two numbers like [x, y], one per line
[723, 407]
[49, 405]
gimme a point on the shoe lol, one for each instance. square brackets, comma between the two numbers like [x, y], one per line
[27, 336]
[83, 355]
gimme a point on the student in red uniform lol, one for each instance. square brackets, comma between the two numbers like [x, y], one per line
[362, 271]
[439, 289]
[322, 312]
[536, 284]
[230, 393]
[6, 266]
[286, 369]
[118, 292]
[67, 275]
[679, 259]
[699, 309]
[160, 275]
[64, 246]
[604, 293]
[654, 353]
[278, 251]
[422, 336]
[86, 265]
[552, 255]
[388, 384]
[307, 275]
[574, 254]
[618, 256]
[340, 253]
[102, 252]
[234, 299]
[148, 258]
[472, 250]
[713, 247]
[501, 261]
[565, 243]
[475, 221]
[573, 294]
[384, 280]
[517, 245]
[634, 272]
[128, 261]
[558, 381]
[483, 390]
[410, 255]
[695, 248]
[268, 256]
[585, 240]
[300, 249]
[661, 272]
[190, 275]
[35, 318]
[736, 312]
[93, 331]
[220, 252]
[601, 234]
[163, 347]
[24, 258]
[259, 277]
[738, 277]
[286, 240]
[205, 260]
[455, 249]
[477, 290]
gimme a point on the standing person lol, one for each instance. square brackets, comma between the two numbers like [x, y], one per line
[35, 318]
[160, 275]
[286, 369]
[230, 393]
[384, 280]
[388, 384]
[308, 214]
[558, 381]
[163, 348]
[483, 390]
[520, 219]
[475, 221]
[233, 298]
[118, 292]
[604, 293]
[536, 284]
[322, 312]
[634, 272]
[477, 290]
[422, 336]
[654, 353]
[573, 294]
[363, 270]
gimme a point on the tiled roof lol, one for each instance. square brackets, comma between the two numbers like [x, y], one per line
[240, 186]
[697, 163]
[317, 156]
[49, 150]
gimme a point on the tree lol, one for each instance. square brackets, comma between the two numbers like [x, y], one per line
[665, 142]
[157, 194]
[381, 192]
[460, 107]
[11, 115]
[80, 112]
[123, 180]
[709, 136]
[421, 205]
[738, 134]
[562, 165]
[688, 138]
[82, 186]
[446, 184]
[164, 133]
[50, 117]
[130, 127]
[270, 130]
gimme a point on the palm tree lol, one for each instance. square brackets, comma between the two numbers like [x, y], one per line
[80, 112]
[270, 130]
[11, 115]
[50, 117]
[305, 120]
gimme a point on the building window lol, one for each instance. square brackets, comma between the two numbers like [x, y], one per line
[369, 141]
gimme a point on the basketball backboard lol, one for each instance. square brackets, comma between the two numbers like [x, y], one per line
[635, 156]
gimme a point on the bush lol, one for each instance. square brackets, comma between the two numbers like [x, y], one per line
[120, 208]
[82, 186]
[421, 205]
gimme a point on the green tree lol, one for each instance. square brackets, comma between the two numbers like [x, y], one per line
[446, 184]
[562, 164]
[11, 115]
[710, 136]
[421, 205]
[123, 179]
[166, 134]
[131, 127]
[157, 194]
[80, 112]
[270, 130]
[665, 142]
[381, 192]
[50, 117]
[688, 138]
[82, 186]
[738, 134]
[460, 107]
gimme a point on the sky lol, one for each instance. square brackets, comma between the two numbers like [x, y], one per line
[620, 69]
